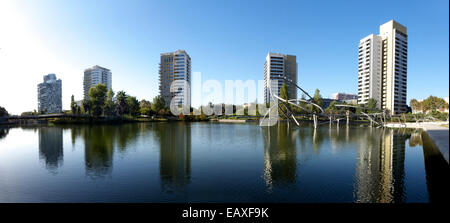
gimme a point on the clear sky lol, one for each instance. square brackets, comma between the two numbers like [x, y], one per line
[227, 40]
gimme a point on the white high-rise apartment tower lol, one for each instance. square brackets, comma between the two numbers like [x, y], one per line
[49, 95]
[175, 67]
[276, 66]
[96, 75]
[382, 68]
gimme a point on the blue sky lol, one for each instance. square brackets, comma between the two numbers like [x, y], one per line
[227, 40]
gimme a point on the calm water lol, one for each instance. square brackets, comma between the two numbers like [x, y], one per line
[211, 162]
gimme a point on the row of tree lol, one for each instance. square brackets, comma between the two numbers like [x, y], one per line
[432, 103]
[103, 102]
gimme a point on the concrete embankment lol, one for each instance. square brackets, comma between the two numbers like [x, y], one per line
[232, 120]
[437, 133]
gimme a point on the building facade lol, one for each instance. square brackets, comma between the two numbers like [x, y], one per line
[49, 95]
[96, 75]
[175, 72]
[344, 96]
[382, 68]
[276, 66]
[369, 69]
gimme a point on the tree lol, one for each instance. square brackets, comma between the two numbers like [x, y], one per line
[332, 108]
[284, 94]
[317, 99]
[121, 103]
[432, 103]
[372, 103]
[73, 105]
[86, 106]
[3, 112]
[145, 107]
[97, 96]
[415, 105]
[158, 104]
[133, 106]
[109, 107]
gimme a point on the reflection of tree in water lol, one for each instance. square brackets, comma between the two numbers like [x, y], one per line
[3, 132]
[175, 154]
[416, 139]
[380, 166]
[280, 161]
[99, 143]
[51, 147]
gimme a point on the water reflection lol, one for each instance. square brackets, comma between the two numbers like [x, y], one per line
[51, 147]
[99, 143]
[331, 163]
[175, 155]
[380, 166]
[280, 161]
[3, 132]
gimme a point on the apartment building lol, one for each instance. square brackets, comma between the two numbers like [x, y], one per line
[49, 95]
[96, 75]
[175, 72]
[276, 66]
[382, 68]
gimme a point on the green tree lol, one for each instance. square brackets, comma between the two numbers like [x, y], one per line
[109, 107]
[97, 95]
[433, 103]
[284, 94]
[158, 105]
[145, 107]
[332, 108]
[3, 112]
[133, 106]
[73, 105]
[86, 106]
[372, 103]
[415, 105]
[121, 103]
[317, 99]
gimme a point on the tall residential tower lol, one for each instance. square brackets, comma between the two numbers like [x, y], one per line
[276, 66]
[96, 75]
[49, 95]
[382, 68]
[175, 67]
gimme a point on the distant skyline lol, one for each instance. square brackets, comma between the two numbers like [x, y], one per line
[226, 40]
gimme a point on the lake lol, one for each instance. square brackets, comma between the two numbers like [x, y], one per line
[218, 162]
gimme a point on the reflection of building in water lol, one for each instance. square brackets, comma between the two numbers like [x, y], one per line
[380, 167]
[280, 160]
[51, 146]
[175, 155]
